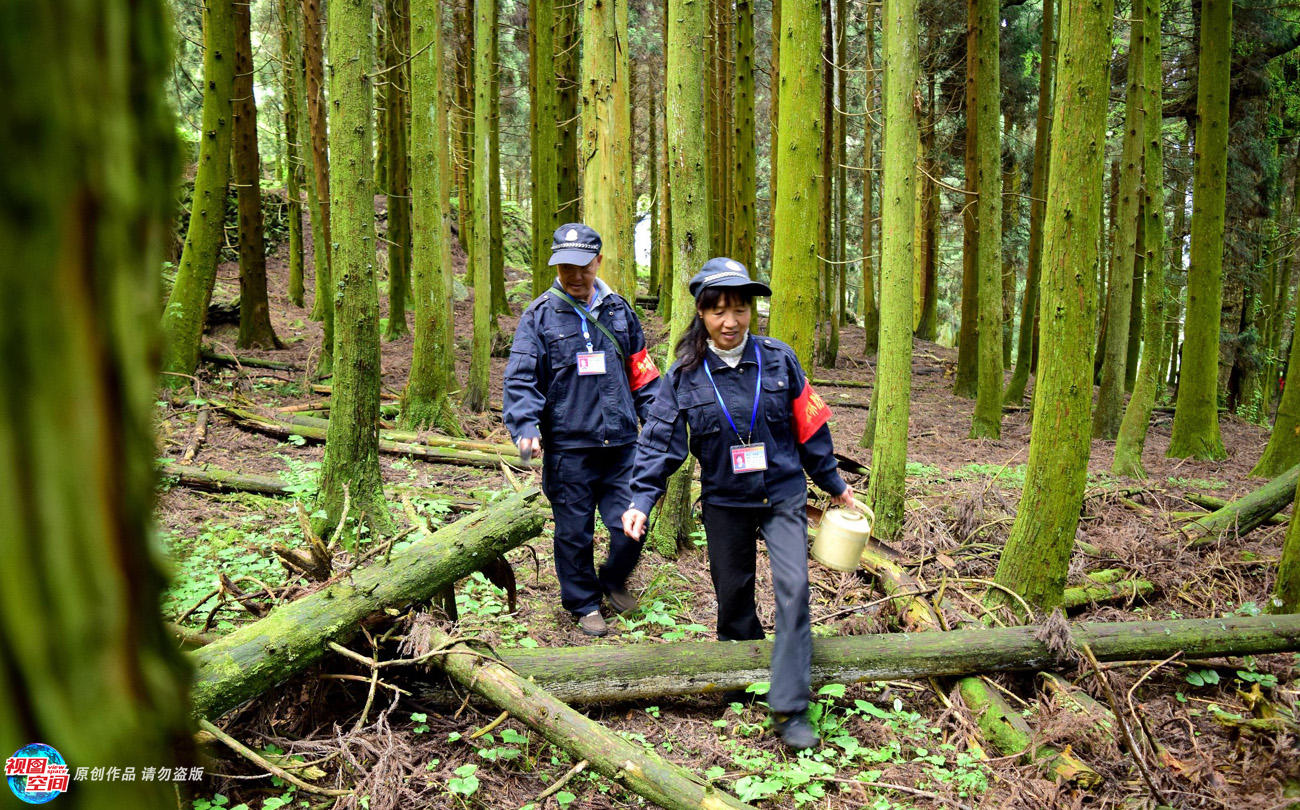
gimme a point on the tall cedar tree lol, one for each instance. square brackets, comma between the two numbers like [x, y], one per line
[485, 23]
[187, 306]
[1286, 590]
[397, 169]
[607, 201]
[688, 170]
[967, 382]
[1010, 216]
[432, 376]
[1283, 450]
[1196, 415]
[1037, 553]
[664, 195]
[1037, 207]
[867, 309]
[254, 309]
[314, 70]
[652, 167]
[897, 221]
[987, 420]
[744, 237]
[798, 170]
[543, 114]
[497, 247]
[1123, 245]
[1137, 416]
[828, 342]
[86, 663]
[291, 88]
[350, 473]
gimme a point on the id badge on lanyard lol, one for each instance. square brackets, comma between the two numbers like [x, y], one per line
[591, 363]
[748, 458]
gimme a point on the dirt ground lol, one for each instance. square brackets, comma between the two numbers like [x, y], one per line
[962, 498]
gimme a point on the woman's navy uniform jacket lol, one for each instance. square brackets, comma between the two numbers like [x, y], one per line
[791, 423]
[544, 394]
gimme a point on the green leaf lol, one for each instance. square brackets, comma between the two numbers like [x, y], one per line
[832, 689]
[564, 798]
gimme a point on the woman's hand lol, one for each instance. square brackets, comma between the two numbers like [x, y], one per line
[844, 499]
[634, 523]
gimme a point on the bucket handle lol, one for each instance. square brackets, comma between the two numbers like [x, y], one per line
[861, 507]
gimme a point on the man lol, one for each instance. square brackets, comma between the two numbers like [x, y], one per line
[577, 381]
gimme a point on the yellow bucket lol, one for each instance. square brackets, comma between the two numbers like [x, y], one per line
[842, 536]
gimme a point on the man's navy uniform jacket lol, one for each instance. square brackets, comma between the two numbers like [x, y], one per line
[543, 392]
[791, 423]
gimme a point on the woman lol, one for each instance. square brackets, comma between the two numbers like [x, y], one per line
[743, 407]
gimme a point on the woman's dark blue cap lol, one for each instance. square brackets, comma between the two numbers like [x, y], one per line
[728, 273]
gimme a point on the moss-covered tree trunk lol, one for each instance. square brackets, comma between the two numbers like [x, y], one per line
[432, 376]
[1037, 553]
[1037, 207]
[828, 323]
[967, 381]
[543, 121]
[1123, 246]
[1137, 416]
[868, 311]
[987, 420]
[1177, 273]
[397, 171]
[744, 237]
[568, 30]
[255, 329]
[291, 88]
[663, 196]
[1010, 217]
[927, 225]
[314, 70]
[607, 201]
[1286, 589]
[897, 214]
[351, 468]
[187, 306]
[1283, 450]
[86, 664]
[476, 392]
[496, 254]
[652, 167]
[1196, 416]
[798, 167]
[688, 177]
[1136, 318]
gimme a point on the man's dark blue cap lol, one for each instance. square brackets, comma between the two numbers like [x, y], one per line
[574, 243]
[728, 273]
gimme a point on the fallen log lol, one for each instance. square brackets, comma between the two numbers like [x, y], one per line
[1212, 503]
[410, 436]
[842, 383]
[267, 652]
[438, 455]
[328, 390]
[635, 768]
[246, 362]
[214, 480]
[643, 671]
[1109, 585]
[1245, 513]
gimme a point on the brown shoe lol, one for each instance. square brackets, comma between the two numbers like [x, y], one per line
[593, 624]
[622, 601]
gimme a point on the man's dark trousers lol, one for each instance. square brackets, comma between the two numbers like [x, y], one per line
[577, 482]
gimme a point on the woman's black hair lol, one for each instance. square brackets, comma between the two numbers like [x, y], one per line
[694, 341]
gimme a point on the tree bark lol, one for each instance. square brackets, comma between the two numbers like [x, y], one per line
[828, 323]
[867, 309]
[351, 467]
[987, 420]
[797, 221]
[898, 193]
[1137, 416]
[187, 306]
[291, 87]
[967, 382]
[744, 207]
[632, 766]
[427, 402]
[485, 22]
[1286, 590]
[86, 663]
[1035, 560]
[543, 115]
[258, 656]
[254, 309]
[1196, 418]
[215, 480]
[1119, 290]
[314, 70]
[397, 174]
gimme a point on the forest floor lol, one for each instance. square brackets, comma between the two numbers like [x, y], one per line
[962, 499]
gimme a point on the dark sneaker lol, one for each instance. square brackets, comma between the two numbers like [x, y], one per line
[796, 732]
[622, 601]
[593, 624]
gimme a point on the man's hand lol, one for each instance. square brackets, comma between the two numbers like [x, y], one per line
[530, 448]
[845, 498]
[634, 523]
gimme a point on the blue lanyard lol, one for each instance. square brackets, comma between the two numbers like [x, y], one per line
[582, 320]
[758, 387]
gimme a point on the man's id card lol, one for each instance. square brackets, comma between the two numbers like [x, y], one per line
[747, 458]
[591, 363]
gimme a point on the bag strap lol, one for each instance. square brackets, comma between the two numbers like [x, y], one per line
[583, 313]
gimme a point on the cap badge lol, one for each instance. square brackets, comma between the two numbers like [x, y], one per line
[572, 235]
[732, 264]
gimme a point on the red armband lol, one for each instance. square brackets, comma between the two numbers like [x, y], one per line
[810, 413]
[641, 370]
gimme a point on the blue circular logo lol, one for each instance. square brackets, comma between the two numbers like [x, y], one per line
[37, 773]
